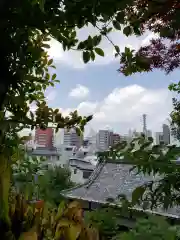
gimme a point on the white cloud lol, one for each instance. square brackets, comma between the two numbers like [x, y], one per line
[51, 95]
[149, 37]
[124, 107]
[74, 58]
[79, 92]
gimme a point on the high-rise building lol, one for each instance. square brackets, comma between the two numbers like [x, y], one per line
[149, 133]
[102, 140]
[44, 138]
[114, 139]
[159, 138]
[166, 134]
[105, 139]
[71, 138]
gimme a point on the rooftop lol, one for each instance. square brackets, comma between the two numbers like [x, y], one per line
[43, 152]
[109, 180]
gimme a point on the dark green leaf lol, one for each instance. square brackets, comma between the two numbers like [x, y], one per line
[96, 40]
[92, 56]
[81, 46]
[117, 49]
[99, 51]
[86, 56]
[127, 31]
[41, 4]
[137, 194]
[116, 25]
[120, 17]
[44, 45]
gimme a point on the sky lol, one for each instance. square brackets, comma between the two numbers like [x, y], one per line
[116, 102]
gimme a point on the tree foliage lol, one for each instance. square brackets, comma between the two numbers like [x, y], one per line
[52, 182]
[154, 228]
[158, 17]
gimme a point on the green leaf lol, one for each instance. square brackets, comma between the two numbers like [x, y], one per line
[86, 56]
[47, 76]
[120, 17]
[96, 40]
[92, 56]
[116, 25]
[41, 4]
[50, 62]
[117, 49]
[127, 31]
[54, 76]
[99, 51]
[45, 45]
[81, 46]
[137, 194]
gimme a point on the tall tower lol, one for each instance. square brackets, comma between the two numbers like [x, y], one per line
[144, 124]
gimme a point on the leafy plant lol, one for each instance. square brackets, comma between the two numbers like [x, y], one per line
[105, 220]
[52, 182]
[25, 174]
[35, 220]
[154, 228]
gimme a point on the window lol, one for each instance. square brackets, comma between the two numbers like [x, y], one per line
[75, 171]
[86, 174]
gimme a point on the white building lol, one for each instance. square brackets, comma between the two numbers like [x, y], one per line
[71, 138]
[159, 138]
[81, 165]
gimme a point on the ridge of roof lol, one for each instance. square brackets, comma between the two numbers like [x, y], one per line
[95, 173]
[90, 180]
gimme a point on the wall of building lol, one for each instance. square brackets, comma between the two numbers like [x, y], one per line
[77, 175]
[71, 138]
[44, 138]
[166, 134]
[103, 140]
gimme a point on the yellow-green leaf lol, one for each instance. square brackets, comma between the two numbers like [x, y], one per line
[74, 231]
[60, 210]
[29, 236]
[50, 62]
[54, 76]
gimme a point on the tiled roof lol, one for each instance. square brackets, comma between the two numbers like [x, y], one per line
[43, 152]
[109, 180]
[81, 164]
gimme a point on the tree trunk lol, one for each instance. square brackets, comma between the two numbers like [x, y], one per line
[4, 189]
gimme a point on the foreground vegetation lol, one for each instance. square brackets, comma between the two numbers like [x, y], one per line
[26, 28]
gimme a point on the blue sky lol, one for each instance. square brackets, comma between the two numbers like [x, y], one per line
[116, 101]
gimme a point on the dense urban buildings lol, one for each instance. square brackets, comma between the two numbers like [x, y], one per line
[96, 141]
